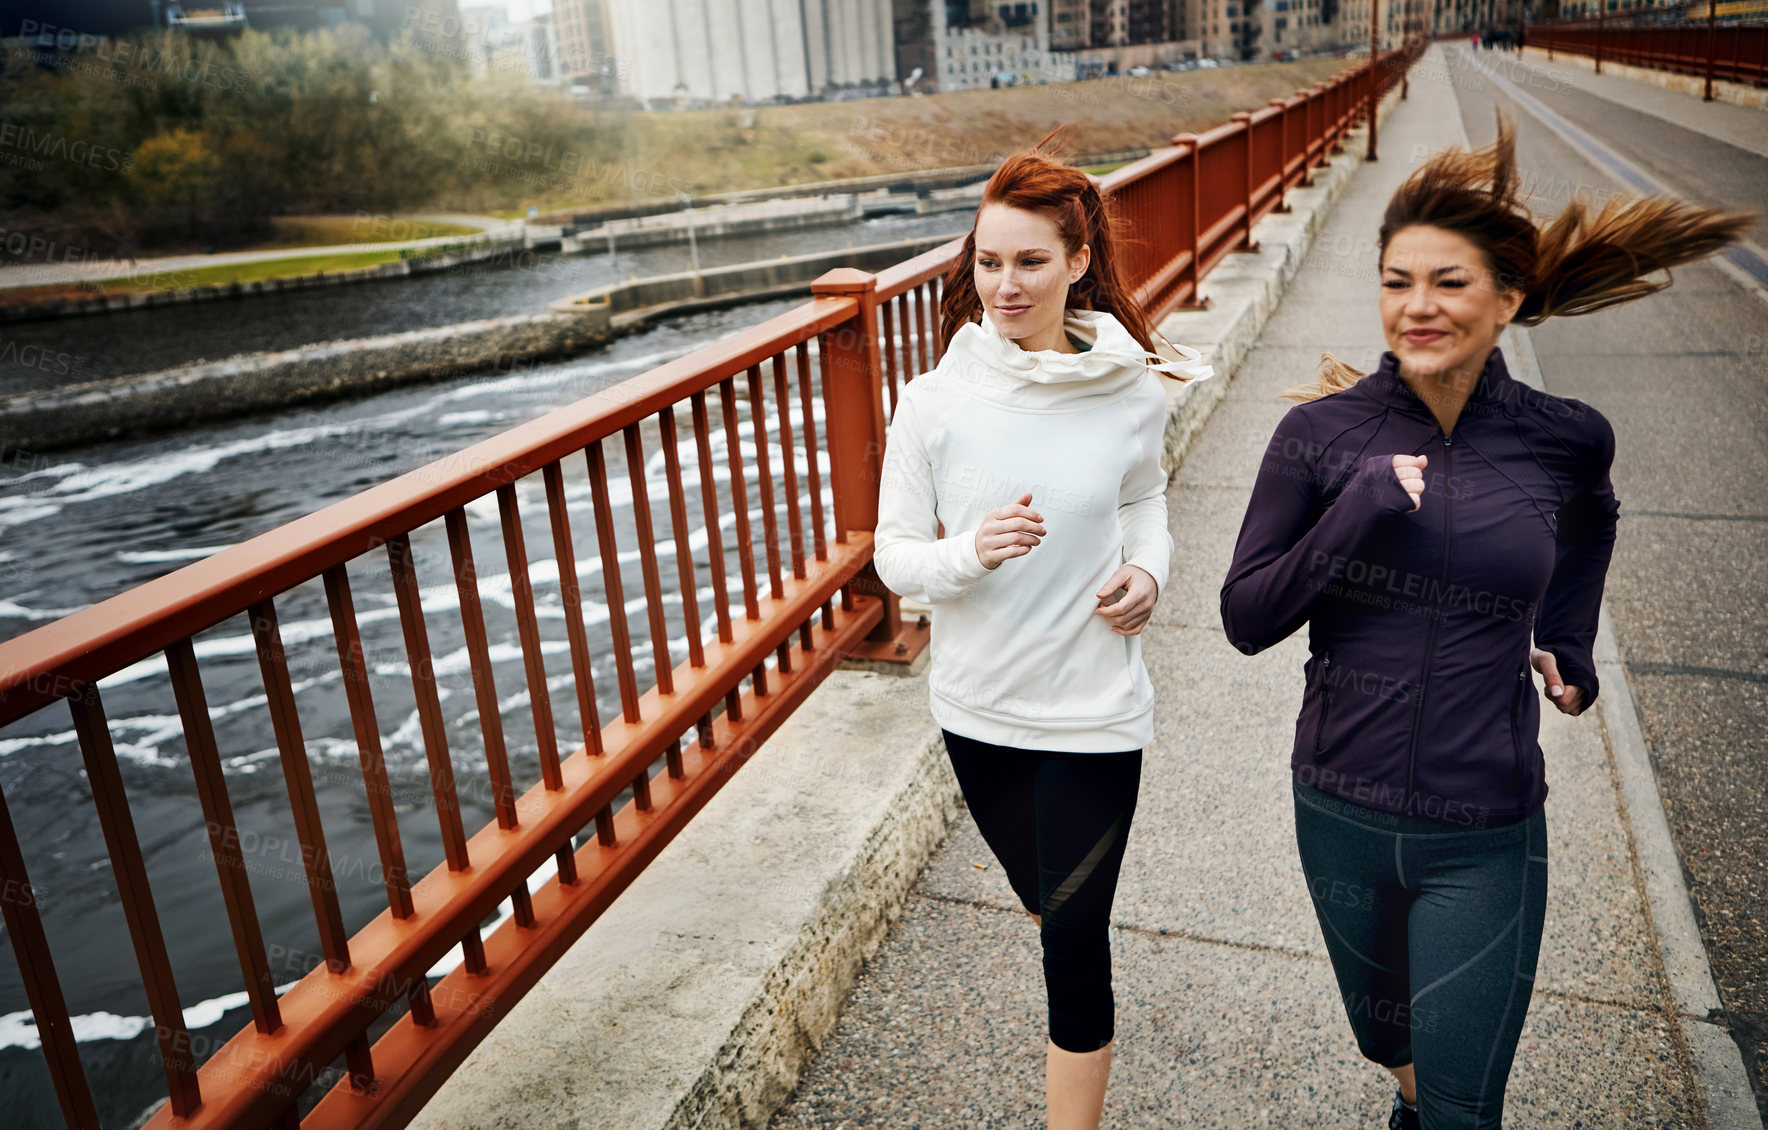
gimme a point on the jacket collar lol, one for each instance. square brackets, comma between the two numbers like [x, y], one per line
[1491, 392]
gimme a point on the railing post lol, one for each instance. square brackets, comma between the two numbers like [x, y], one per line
[1601, 18]
[1245, 121]
[853, 407]
[1282, 105]
[1190, 222]
[1331, 113]
[1374, 93]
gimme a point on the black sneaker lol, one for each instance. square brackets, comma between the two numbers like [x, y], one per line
[1402, 1117]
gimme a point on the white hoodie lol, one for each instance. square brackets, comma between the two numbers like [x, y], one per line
[1019, 657]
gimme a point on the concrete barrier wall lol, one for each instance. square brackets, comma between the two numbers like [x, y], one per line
[717, 223]
[258, 382]
[748, 280]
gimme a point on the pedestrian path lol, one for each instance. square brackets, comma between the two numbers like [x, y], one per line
[1227, 1011]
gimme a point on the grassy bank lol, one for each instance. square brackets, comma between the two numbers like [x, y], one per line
[185, 278]
[329, 231]
[727, 149]
[164, 144]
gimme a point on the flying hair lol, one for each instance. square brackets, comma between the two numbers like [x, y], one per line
[1579, 262]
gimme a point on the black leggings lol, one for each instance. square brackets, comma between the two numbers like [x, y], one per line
[1433, 929]
[1058, 823]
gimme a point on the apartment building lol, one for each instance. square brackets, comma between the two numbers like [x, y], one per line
[529, 48]
[982, 44]
[585, 34]
[1254, 29]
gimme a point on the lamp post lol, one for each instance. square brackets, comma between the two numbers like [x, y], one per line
[1712, 35]
[1374, 73]
[687, 203]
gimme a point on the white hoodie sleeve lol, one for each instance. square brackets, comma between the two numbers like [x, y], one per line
[910, 560]
[1141, 502]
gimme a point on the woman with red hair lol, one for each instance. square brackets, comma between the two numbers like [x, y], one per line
[1038, 439]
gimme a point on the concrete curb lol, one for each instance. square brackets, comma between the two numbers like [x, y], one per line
[1720, 1079]
[767, 906]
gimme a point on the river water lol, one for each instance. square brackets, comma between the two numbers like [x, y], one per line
[66, 350]
[83, 525]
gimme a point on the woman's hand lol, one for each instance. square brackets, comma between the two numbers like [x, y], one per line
[1128, 614]
[1409, 469]
[1008, 531]
[1570, 700]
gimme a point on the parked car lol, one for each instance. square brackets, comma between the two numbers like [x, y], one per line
[1139, 72]
[1207, 63]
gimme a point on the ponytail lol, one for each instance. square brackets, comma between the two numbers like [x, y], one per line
[1576, 264]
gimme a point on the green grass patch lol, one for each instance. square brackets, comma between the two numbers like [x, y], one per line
[148, 280]
[327, 231]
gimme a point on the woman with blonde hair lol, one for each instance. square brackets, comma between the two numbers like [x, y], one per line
[1425, 521]
[1036, 441]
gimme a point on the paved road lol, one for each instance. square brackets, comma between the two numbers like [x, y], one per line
[1683, 376]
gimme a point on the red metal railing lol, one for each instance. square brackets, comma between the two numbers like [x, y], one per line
[1733, 51]
[695, 725]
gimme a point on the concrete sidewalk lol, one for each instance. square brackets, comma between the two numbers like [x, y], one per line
[1228, 1014]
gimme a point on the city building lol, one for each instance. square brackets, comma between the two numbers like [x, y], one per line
[1246, 30]
[697, 52]
[982, 44]
[529, 49]
[585, 30]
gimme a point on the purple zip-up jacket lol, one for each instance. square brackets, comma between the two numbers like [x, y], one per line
[1419, 697]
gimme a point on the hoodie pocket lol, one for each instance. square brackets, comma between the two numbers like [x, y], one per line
[1323, 688]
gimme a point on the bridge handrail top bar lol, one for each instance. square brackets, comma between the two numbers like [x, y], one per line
[46, 664]
[899, 278]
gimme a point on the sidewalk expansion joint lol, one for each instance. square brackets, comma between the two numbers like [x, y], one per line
[1642, 1008]
[1142, 931]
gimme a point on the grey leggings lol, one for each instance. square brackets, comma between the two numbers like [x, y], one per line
[1433, 930]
